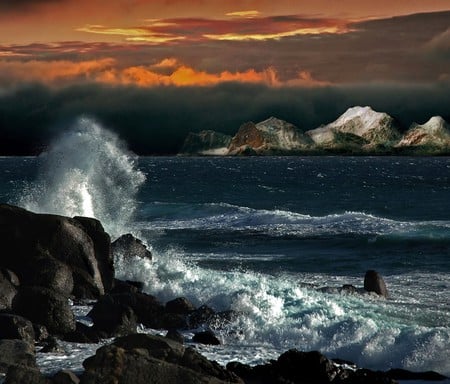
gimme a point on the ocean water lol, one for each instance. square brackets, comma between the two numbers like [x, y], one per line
[261, 236]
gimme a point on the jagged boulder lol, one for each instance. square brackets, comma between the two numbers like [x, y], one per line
[129, 246]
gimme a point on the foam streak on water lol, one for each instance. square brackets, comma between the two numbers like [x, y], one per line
[87, 171]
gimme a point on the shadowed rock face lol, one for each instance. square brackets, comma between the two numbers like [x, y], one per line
[205, 142]
[56, 247]
[373, 282]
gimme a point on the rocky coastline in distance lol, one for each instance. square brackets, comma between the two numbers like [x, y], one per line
[359, 131]
[48, 261]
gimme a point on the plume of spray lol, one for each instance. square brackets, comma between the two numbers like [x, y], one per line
[87, 171]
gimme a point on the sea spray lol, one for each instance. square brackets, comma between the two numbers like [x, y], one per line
[87, 171]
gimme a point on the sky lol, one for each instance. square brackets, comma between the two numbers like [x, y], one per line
[154, 70]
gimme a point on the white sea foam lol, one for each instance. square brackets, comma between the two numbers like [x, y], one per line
[87, 171]
[286, 311]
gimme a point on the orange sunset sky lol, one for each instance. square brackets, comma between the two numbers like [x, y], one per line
[160, 45]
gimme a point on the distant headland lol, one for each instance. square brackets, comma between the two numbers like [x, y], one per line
[359, 131]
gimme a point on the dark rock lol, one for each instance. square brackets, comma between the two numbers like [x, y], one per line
[31, 238]
[200, 316]
[129, 246]
[373, 282]
[40, 332]
[149, 311]
[180, 306]
[82, 334]
[53, 274]
[174, 335]
[16, 327]
[206, 337]
[47, 307]
[7, 290]
[152, 359]
[65, 377]
[102, 248]
[127, 286]
[16, 353]
[24, 375]
[112, 317]
[51, 346]
[403, 374]
[10, 276]
[366, 376]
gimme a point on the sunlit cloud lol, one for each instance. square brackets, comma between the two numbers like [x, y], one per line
[242, 25]
[245, 14]
[5, 54]
[167, 72]
[276, 36]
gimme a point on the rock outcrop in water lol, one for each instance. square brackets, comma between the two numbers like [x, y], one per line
[206, 143]
[430, 137]
[271, 136]
[360, 130]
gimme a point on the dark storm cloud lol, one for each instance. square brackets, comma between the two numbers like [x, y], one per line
[21, 5]
[156, 120]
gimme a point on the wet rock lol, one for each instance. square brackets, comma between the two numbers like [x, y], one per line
[16, 353]
[145, 358]
[373, 282]
[112, 317]
[52, 274]
[24, 375]
[206, 337]
[180, 306]
[174, 335]
[127, 286]
[403, 374]
[40, 332]
[16, 327]
[51, 346]
[102, 249]
[130, 246]
[200, 316]
[65, 377]
[46, 307]
[82, 334]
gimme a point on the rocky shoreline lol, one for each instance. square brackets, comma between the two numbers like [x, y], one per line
[48, 261]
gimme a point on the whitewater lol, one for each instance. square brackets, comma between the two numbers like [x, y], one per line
[264, 237]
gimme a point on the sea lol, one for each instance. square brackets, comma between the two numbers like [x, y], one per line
[263, 236]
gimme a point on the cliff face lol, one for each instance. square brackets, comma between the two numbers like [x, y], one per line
[435, 133]
[270, 136]
[206, 143]
[367, 128]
